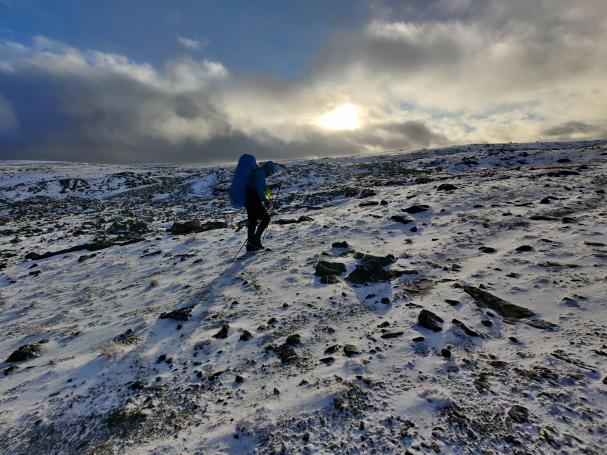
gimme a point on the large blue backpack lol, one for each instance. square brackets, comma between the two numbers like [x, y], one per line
[238, 191]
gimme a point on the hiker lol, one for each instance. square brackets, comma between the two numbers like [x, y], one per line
[258, 203]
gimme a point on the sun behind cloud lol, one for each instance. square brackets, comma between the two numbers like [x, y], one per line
[344, 117]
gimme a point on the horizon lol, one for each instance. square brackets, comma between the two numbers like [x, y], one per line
[203, 82]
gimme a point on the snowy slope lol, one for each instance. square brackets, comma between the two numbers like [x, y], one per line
[524, 222]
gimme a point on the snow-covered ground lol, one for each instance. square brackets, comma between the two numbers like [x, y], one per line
[103, 372]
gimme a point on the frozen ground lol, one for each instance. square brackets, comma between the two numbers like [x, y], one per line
[89, 263]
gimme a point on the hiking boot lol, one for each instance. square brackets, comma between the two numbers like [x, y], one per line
[253, 245]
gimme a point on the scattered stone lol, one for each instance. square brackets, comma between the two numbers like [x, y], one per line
[452, 302]
[392, 334]
[301, 219]
[368, 203]
[430, 321]
[26, 352]
[181, 314]
[350, 350]
[541, 324]
[366, 192]
[467, 330]
[446, 353]
[418, 339]
[93, 246]
[384, 325]
[401, 219]
[343, 244]
[332, 349]
[239, 379]
[246, 335]
[487, 249]
[486, 322]
[502, 307]
[293, 340]
[286, 353]
[446, 187]
[385, 300]
[370, 269]
[194, 226]
[339, 403]
[328, 271]
[519, 414]
[129, 337]
[10, 369]
[524, 249]
[327, 360]
[417, 208]
[223, 332]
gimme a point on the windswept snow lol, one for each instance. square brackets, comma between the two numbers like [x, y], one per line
[114, 368]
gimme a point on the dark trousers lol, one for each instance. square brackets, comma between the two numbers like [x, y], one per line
[256, 212]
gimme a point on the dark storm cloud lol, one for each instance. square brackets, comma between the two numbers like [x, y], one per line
[419, 74]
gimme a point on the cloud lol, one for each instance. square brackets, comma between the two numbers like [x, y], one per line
[421, 74]
[192, 44]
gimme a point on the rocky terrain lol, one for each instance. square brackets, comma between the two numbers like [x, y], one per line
[443, 301]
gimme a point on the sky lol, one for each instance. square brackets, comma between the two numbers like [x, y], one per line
[200, 81]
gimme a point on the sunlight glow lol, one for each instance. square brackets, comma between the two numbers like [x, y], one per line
[344, 117]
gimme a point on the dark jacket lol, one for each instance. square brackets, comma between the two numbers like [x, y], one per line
[257, 182]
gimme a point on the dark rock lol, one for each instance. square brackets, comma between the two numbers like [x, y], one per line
[301, 219]
[446, 353]
[93, 246]
[286, 353]
[272, 321]
[541, 324]
[519, 414]
[161, 358]
[524, 249]
[181, 314]
[487, 249]
[366, 192]
[246, 335]
[128, 227]
[419, 339]
[223, 332]
[401, 219]
[467, 330]
[384, 325]
[385, 300]
[452, 302]
[486, 322]
[446, 187]
[417, 208]
[343, 244]
[127, 338]
[505, 309]
[350, 350]
[370, 269]
[368, 203]
[430, 321]
[332, 349]
[26, 352]
[293, 340]
[392, 334]
[10, 369]
[328, 271]
[239, 379]
[328, 360]
[384, 202]
[194, 226]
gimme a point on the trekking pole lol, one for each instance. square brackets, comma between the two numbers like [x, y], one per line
[239, 249]
[273, 210]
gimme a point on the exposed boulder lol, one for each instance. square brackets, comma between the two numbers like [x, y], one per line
[27, 352]
[417, 208]
[194, 226]
[505, 309]
[301, 219]
[181, 314]
[370, 269]
[428, 320]
[328, 271]
[446, 187]
[401, 219]
[464, 328]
